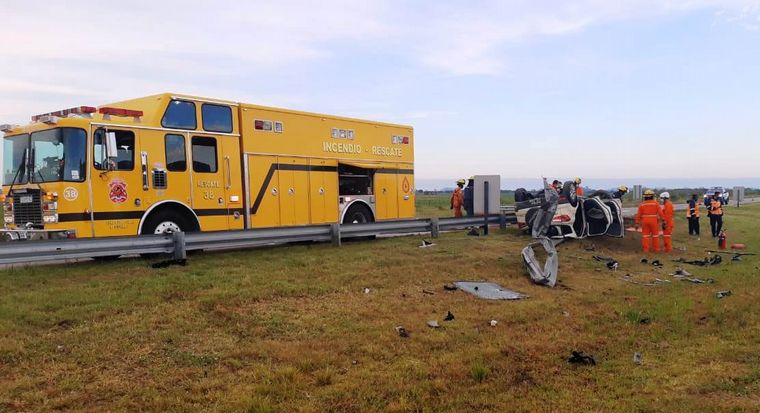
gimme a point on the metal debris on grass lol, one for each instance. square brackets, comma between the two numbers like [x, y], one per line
[680, 273]
[493, 323]
[489, 291]
[715, 260]
[548, 274]
[433, 324]
[402, 331]
[637, 357]
[695, 280]
[722, 294]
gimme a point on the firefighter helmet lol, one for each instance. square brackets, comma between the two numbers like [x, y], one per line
[460, 182]
[649, 194]
[665, 195]
[623, 188]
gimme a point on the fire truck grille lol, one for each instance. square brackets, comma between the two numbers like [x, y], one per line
[27, 207]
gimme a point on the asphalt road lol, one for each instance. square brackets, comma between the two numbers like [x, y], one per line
[681, 206]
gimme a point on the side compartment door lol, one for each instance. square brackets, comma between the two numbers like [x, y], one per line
[264, 192]
[323, 191]
[405, 184]
[208, 179]
[294, 183]
[386, 194]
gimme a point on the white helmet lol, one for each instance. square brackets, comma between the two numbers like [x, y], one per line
[665, 195]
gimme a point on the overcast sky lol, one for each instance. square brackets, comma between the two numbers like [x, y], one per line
[595, 88]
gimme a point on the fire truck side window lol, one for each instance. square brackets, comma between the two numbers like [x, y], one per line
[204, 154]
[179, 114]
[176, 159]
[216, 118]
[125, 150]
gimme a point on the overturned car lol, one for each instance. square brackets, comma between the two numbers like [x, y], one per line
[575, 216]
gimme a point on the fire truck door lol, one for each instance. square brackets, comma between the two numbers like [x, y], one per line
[209, 181]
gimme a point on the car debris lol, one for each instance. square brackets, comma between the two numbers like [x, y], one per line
[449, 316]
[578, 357]
[680, 273]
[613, 265]
[426, 244]
[489, 291]
[493, 323]
[474, 232]
[644, 261]
[722, 294]
[365, 290]
[402, 331]
[695, 280]
[637, 358]
[656, 263]
[450, 287]
[715, 260]
[433, 324]
[548, 274]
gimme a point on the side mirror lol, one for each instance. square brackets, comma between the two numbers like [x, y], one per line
[111, 145]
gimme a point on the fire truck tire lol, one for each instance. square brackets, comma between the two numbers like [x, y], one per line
[358, 213]
[166, 221]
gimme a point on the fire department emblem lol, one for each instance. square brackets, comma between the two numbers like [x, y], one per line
[117, 191]
[405, 185]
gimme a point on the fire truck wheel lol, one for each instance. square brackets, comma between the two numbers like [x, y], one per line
[165, 222]
[358, 214]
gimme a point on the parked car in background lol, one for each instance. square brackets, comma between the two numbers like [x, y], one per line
[724, 195]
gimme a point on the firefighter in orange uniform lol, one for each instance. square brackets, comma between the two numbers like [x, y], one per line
[578, 187]
[648, 217]
[457, 199]
[668, 223]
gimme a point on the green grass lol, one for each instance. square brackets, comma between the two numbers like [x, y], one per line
[290, 329]
[439, 205]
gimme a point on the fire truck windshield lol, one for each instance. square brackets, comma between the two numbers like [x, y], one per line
[13, 158]
[58, 155]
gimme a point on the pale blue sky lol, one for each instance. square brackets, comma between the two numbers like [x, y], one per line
[599, 89]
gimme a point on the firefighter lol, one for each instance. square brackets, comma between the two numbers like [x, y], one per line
[578, 187]
[647, 217]
[622, 190]
[716, 214]
[692, 214]
[457, 199]
[469, 197]
[667, 224]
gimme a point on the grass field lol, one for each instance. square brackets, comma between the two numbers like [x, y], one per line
[290, 329]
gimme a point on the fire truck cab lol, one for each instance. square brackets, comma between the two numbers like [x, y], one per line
[171, 162]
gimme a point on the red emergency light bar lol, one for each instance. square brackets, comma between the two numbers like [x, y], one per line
[79, 110]
[120, 112]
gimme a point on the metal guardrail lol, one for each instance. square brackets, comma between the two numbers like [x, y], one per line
[177, 244]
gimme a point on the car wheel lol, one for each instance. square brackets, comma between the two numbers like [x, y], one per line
[568, 191]
[601, 194]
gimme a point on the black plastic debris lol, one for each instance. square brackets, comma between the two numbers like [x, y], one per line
[450, 287]
[722, 294]
[449, 316]
[402, 331]
[168, 263]
[656, 263]
[715, 260]
[644, 261]
[613, 265]
[645, 320]
[579, 358]
[474, 232]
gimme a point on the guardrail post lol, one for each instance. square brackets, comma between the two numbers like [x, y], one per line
[434, 227]
[502, 219]
[178, 239]
[335, 234]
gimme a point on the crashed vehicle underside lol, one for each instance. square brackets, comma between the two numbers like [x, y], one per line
[575, 217]
[548, 214]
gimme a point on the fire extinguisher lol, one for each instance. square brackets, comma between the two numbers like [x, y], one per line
[722, 240]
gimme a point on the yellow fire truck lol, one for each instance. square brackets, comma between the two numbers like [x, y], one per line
[168, 162]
